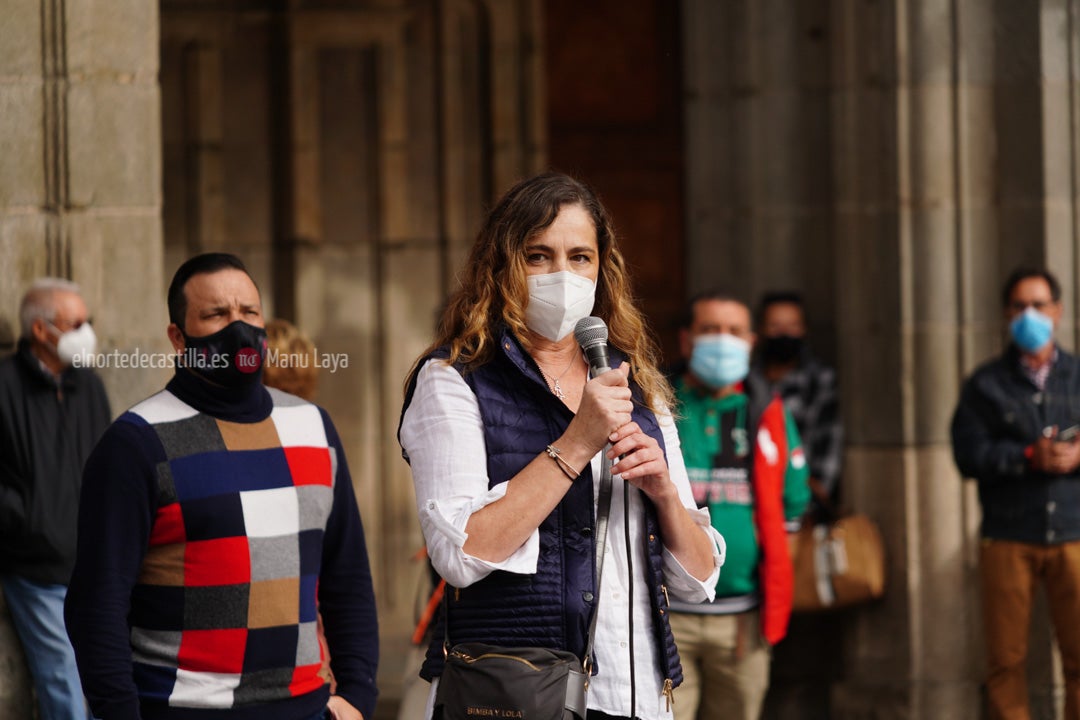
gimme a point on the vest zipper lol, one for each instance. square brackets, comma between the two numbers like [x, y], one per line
[669, 693]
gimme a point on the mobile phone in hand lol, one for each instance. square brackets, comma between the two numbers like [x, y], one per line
[1068, 434]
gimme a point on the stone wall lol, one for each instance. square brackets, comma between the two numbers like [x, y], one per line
[898, 158]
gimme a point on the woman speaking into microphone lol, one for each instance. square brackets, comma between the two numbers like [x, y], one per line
[507, 435]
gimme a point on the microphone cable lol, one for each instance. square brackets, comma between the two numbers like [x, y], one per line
[630, 595]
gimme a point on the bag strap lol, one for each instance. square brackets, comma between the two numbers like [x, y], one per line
[603, 509]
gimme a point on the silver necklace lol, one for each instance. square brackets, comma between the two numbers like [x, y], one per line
[555, 386]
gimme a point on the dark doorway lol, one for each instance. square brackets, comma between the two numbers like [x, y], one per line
[614, 90]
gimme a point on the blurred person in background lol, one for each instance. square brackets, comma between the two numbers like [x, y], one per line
[291, 364]
[1015, 430]
[809, 659]
[784, 363]
[53, 409]
[746, 465]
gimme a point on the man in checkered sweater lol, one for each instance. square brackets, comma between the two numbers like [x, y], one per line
[217, 520]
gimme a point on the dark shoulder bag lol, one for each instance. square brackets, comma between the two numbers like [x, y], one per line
[492, 681]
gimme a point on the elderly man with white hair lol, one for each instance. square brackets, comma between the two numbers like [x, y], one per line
[52, 412]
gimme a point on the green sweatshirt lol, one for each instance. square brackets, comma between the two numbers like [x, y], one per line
[716, 448]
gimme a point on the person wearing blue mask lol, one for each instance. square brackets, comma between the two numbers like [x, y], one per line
[746, 465]
[1014, 432]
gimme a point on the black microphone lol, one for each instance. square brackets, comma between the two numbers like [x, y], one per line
[591, 334]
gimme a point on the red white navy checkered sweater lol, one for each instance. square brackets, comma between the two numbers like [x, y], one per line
[204, 536]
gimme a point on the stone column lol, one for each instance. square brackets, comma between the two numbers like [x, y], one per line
[950, 156]
[929, 101]
[897, 179]
[954, 138]
[1059, 53]
[80, 189]
[757, 116]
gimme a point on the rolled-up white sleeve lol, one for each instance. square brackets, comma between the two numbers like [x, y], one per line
[443, 436]
[680, 583]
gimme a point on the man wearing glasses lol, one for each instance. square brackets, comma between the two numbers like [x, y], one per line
[52, 412]
[1015, 432]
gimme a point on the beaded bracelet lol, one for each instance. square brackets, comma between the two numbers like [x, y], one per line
[556, 454]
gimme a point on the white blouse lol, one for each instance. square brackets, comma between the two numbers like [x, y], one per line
[443, 435]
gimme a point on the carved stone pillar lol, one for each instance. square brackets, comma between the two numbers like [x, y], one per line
[759, 160]
[951, 153]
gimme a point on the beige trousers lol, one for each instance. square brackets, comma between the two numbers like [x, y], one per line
[1009, 573]
[725, 663]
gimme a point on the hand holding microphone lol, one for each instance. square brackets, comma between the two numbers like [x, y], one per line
[638, 457]
[606, 401]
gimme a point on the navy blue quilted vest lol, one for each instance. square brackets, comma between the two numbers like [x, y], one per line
[553, 607]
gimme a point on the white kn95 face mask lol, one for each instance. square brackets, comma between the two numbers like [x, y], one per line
[557, 301]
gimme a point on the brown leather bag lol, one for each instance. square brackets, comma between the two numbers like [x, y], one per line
[837, 564]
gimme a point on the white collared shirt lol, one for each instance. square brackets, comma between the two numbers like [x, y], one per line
[443, 435]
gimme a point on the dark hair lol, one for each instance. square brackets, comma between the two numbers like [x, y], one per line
[1023, 273]
[493, 288]
[494, 292]
[205, 264]
[779, 297]
[687, 318]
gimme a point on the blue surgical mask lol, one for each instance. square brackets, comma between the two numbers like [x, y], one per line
[1031, 330]
[720, 360]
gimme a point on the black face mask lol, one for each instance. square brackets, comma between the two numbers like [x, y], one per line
[781, 349]
[231, 357]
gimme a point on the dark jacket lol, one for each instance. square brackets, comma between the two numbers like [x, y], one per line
[551, 608]
[47, 430]
[1001, 412]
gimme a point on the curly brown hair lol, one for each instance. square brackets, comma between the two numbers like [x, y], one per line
[296, 370]
[494, 292]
